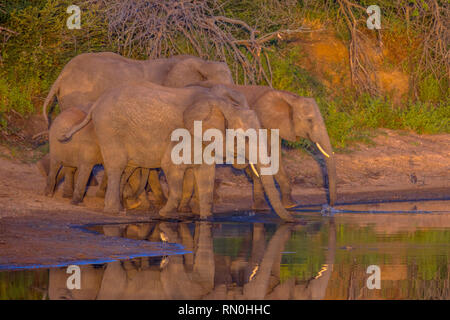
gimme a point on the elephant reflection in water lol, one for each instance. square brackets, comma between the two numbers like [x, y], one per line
[196, 275]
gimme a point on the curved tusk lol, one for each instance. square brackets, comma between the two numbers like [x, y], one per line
[253, 273]
[321, 150]
[254, 169]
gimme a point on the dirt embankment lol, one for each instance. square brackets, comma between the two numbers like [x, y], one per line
[37, 229]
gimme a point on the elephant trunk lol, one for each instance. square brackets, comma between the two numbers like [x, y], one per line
[274, 198]
[324, 145]
[331, 169]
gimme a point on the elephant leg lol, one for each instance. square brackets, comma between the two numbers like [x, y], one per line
[112, 197]
[285, 187]
[174, 175]
[259, 202]
[155, 185]
[44, 165]
[134, 190]
[44, 168]
[83, 174]
[129, 183]
[102, 188]
[194, 204]
[188, 188]
[204, 177]
[188, 243]
[51, 178]
[142, 181]
[141, 194]
[204, 264]
[125, 188]
[69, 174]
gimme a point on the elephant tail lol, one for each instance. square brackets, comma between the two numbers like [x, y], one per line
[68, 135]
[51, 99]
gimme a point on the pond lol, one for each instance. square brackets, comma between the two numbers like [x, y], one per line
[349, 255]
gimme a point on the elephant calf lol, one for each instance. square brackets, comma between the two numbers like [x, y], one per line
[81, 152]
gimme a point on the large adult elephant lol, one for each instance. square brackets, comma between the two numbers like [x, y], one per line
[295, 117]
[134, 124]
[84, 78]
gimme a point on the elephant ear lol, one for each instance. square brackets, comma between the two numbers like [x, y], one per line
[206, 112]
[275, 111]
[233, 96]
[185, 72]
[307, 108]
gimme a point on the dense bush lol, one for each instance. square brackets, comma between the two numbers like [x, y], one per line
[32, 58]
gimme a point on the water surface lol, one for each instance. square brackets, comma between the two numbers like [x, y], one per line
[247, 256]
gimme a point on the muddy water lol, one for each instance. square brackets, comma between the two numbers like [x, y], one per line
[248, 256]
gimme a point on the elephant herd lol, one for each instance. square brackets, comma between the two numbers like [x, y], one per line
[120, 113]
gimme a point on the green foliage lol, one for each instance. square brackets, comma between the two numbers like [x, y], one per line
[430, 89]
[351, 118]
[355, 120]
[33, 58]
[288, 76]
[15, 97]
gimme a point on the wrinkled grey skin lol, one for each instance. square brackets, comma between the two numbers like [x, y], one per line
[134, 123]
[295, 117]
[87, 76]
[81, 153]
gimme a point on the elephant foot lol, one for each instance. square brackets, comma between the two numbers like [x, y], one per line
[185, 209]
[169, 212]
[113, 209]
[205, 217]
[67, 194]
[133, 203]
[169, 215]
[187, 215]
[260, 205]
[195, 207]
[76, 201]
[48, 192]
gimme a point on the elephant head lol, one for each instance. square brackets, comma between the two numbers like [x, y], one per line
[193, 69]
[298, 117]
[224, 114]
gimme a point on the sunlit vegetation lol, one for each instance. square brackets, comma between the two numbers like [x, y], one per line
[40, 45]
